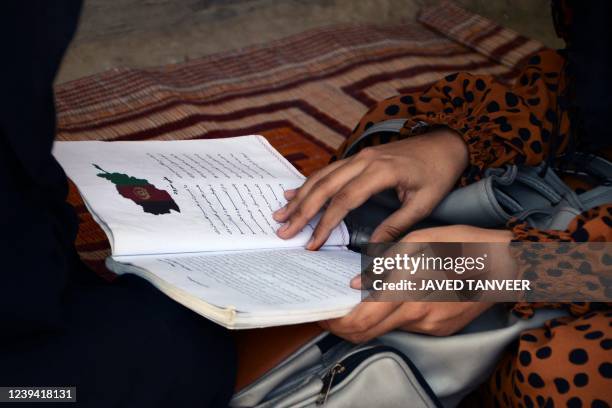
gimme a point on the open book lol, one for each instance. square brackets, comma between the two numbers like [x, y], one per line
[195, 219]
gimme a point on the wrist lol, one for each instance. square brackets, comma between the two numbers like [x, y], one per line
[452, 148]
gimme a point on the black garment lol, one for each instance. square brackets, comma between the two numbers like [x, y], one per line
[587, 31]
[121, 344]
[127, 345]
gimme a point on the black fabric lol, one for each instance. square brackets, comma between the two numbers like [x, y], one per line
[126, 345]
[121, 344]
[589, 68]
[38, 227]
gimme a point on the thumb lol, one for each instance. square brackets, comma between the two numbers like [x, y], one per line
[356, 282]
[395, 225]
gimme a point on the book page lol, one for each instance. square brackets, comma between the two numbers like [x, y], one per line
[157, 197]
[264, 284]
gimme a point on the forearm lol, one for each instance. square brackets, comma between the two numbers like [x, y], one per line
[499, 124]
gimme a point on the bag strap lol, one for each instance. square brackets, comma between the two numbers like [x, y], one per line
[391, 125]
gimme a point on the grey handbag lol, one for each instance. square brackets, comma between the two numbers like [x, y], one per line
[398, 369]
[334, 373]
[407, 369]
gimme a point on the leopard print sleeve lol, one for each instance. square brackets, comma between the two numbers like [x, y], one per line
[594, 225]
[500, 124]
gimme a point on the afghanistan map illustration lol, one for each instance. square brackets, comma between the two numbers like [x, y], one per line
[140, 191]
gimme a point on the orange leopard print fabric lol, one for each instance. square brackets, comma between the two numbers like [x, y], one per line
[568, 362]
[500, 124]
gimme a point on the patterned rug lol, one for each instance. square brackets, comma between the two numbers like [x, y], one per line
[304, 93]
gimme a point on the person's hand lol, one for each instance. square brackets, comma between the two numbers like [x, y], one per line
[372, 319]
[422, 170]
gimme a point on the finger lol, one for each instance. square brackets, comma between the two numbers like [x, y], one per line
[356, 282]
[374, 179]
[414, 210]
[302, 209]
[445, 318]
[363, 317]
[397, 318]
[283, 213]
[290, 194]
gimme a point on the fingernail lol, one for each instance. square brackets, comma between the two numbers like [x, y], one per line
[310, 245]
[289, 194]
[283, 228]
[279, 213]
[356, 282]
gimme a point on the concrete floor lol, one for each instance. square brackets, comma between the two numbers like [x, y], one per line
[144, 33]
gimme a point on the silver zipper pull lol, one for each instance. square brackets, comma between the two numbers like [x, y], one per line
[327, 383]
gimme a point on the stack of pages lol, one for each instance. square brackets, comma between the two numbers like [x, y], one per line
[195, 219]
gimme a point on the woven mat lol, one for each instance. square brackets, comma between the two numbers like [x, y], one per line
[304, 93]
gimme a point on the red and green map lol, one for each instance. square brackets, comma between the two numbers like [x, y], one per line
[150, 198]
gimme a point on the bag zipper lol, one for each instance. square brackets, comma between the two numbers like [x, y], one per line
[328, 381]
[340, 370]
